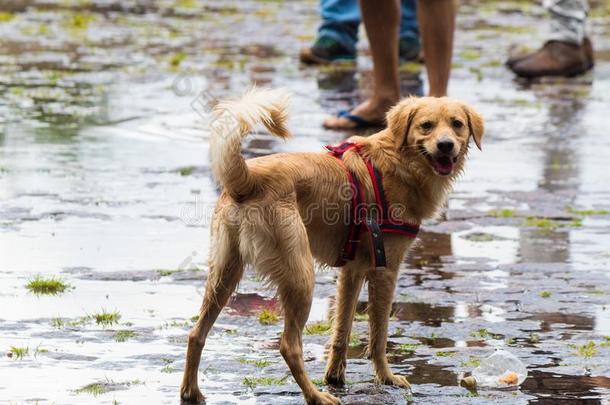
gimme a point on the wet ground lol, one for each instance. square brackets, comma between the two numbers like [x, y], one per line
[105, 184]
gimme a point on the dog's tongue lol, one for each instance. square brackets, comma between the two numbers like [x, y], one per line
[443, 165]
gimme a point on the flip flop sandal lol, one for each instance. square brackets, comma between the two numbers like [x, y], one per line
[359, 121]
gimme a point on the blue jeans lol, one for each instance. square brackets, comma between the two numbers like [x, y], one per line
[341, 18]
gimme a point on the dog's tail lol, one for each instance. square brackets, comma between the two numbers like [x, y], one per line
[232, 121]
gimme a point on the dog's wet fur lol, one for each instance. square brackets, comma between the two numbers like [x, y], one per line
[272, 215]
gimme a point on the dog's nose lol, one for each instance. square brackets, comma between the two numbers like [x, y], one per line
[445, 145]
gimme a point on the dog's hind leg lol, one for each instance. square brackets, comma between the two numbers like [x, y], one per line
[226, 269]
[349, 286]
[381, 293]
[291, 269]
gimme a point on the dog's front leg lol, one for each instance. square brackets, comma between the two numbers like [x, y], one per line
[348, 290]
[381, 294]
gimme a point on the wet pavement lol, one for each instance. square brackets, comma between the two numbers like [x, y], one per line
[105, 183]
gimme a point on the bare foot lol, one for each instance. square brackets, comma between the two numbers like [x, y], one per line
[372, 110]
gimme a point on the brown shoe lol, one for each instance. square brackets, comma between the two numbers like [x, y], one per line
[555, 58]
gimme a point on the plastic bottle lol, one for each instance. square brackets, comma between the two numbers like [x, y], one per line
[500, 370]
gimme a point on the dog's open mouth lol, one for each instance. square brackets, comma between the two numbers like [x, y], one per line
[443, 165]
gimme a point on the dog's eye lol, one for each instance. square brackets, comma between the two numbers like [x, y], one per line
[457, 124]
[426, 125]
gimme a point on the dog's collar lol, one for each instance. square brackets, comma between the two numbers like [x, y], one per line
[377, 220]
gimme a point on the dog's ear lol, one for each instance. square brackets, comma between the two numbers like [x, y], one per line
[399, 119]
[475, 125]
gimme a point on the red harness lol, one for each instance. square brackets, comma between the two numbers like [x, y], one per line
[376, 221]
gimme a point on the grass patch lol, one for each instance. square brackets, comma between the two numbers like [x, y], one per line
[124, 335]
[322, 328]
[446, 354]
[542, 223]
[410, 67]
[480, 237]
[268, 317]
[187, 170]
[18, 353]
[94, 389]
[470, 54]
[606, 342]
[253, 382]
[484, 334]
[502, 213]
[46, 286]
[354, 339]
[168, 368]
[165, 273]
[256, 363]
[534, 338]
[471, 362]
[106, 318]
[587, 350]
[176, 60]
[364, 317]
[587, 212]
[408, 347]
[6, 16]
[551, 225]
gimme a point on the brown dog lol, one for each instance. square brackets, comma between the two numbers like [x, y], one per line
[273, 214]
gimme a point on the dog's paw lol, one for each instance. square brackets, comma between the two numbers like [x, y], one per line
[323, 398]
[191, 395]
[335, 378]
[335, 373]
[393, 379]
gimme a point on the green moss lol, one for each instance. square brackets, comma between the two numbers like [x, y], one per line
[534, 338]
[18, 353]
[470, 54]
[408, 347]
[318, 328]
[94, 389]
[446, 354]
[186, 171]
[6, 16]
[106, 318]
[587, 212]
[176, 59]
[545, 294]
[124, 335]
[256, 363]
[79, 21]
[361, 317]
[484, 334]
[503, 213]
[542, 223]
[46, 286]
[472, 362]
[606, 342]
[253, 382]
[268, 317]
[587, 350]
[410, 67]
[480, 237]
[354, 339]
